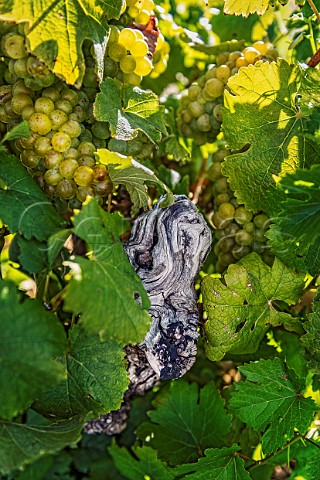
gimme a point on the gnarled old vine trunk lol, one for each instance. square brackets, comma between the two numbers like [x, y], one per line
[167, 248]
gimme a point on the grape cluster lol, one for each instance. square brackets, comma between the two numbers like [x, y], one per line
[160, 57]
[238, 231]
[127, 57]
[140, 10]
[200, 113]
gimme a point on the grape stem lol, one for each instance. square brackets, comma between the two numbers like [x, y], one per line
[200, 181]
[314, 9]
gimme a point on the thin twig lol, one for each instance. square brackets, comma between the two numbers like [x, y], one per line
[314, 60]
[201, 179]
[314, 9]
[311, 441]
[264, 460]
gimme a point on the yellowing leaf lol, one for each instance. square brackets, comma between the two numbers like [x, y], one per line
[244, 8]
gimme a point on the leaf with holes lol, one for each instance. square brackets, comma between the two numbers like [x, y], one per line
[243, 307]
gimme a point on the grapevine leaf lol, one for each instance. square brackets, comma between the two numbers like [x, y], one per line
[30, 340]
[127, 171]
[196, 422]
[23, 206]
[311, 340]
[218, 463]
[261, 112]
[56, 31]
[241, 310]
[32, 254]
[270, 401]
[289, 252]
[147, 465]
[96, 378]
[55, 245]
[22, 130]
[299, 212]
[22, 444]
[103, 289]
[245, 8]
[175, 146]
[231, 26]
[128, 110]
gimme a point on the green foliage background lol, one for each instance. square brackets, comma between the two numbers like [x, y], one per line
[250, 404]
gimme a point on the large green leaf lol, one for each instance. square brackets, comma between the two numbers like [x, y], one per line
[30, 340]
[56, 31]
[299, 211]
[22, 444]
[23, 206]
[185, 423]
[127, 171]
[270, 401]
[262, 114]
[96, 378]
[218, 463]
[104, 288]
[147, 465]
[243, 307]
[129, 109]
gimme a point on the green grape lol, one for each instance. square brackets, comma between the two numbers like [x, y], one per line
[28, 143]
[99, 142]
[143, 66]
[52, 93]
[53, 159]
[40, 123]
[78, 114]
[84, 192]
[42, 146]
[13, 45]
[223, 73]
[61, 141]
[86, 148]
[86, 161]
[44, 105]
[39, 178]
[63, 105]
[242, 215]
[71, 96]
[20, 67]
[111, 67]
[139, 48]
[68, 167]
[20, 101]
[214, 87]
[127, 37]
[134, 147]
[29, 159]
[5, 93]
[58, 118]
[204, 123]
[261, 221]
[132, 79]
[226, 210]
[71, 153]
[66, 188]
[83, 176]
[33, 83]
[116, 51]
[100, 130]
[127, 64]
[196, 109]
[72, 128]
[90, 78]
[52, 176]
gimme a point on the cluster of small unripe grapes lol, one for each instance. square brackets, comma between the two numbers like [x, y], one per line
[160, 57]
[200, 113]
[238, 231]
